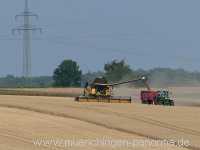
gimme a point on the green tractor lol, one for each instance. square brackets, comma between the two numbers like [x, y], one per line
[163, 98]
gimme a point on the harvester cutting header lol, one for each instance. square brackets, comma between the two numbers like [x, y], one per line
[102, 91]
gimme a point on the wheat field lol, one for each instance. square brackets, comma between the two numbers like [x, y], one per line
[27, 119]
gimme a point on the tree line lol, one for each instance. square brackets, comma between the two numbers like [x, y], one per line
[69, 74]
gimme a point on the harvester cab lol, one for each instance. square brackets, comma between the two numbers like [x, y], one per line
[102, 91]
[98, 88]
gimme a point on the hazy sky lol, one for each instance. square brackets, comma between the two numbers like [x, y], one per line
[146, 33]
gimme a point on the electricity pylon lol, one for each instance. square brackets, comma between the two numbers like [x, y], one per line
[26, 29]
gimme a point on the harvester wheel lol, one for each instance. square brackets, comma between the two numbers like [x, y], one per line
[150, 102]
[156, 102]
[171, 103]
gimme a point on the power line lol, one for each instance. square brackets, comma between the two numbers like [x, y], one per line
[27, 28]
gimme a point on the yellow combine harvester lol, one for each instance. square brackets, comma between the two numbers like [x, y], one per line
[101, 91]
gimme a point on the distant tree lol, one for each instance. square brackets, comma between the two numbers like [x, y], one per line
[67, 74]
[117, 70]
[11, 81]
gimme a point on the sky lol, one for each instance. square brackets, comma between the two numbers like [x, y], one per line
[145, 33]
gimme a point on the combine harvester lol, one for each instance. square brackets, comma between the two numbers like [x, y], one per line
[101, 91]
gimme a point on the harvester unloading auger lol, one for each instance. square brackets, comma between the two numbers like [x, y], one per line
[101, 91]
